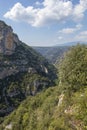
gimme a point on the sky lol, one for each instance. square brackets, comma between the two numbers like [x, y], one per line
[46, 22]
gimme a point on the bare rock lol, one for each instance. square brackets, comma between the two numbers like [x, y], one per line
[8, 40]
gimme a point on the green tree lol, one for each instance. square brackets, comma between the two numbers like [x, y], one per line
[73, 68]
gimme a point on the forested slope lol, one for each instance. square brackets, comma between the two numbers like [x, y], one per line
[63, 107]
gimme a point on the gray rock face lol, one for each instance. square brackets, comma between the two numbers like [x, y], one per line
[16, 56]
[23, 71]
[8, 40]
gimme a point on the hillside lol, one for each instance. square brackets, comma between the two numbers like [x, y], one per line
[63, 107]
[50, 110]
[23, 71]
[52, 54]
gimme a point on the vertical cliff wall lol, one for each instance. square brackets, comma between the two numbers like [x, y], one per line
[8, 40]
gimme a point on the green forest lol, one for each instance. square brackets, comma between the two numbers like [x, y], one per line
[62, 106]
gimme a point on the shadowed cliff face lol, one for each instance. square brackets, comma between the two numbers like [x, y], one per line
[8, 40]
[23, 71]
[16, 56]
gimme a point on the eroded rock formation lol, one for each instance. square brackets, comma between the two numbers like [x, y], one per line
[8, 40]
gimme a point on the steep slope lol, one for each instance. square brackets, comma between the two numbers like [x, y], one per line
[58, 108]
[52, 54]
[50, 110]
[23, 71]
[73, 68]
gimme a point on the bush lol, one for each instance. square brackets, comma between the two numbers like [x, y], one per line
[73, 68]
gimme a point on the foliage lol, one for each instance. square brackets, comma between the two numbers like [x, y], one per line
[23, 73]
[54, 108]
[42, 112]
[73, 68]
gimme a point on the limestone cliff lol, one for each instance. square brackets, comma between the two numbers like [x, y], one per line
[23, 71]
[8, 40]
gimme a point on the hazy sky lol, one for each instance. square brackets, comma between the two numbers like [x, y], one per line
[46, 22]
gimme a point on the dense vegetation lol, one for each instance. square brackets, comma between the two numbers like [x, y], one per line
[23, 73]
[63, 107]
[44, 112]
[73, 68]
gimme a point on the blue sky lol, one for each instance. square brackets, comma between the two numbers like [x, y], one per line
[46, 22]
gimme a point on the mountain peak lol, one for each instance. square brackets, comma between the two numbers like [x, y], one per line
[2, 24]
[8, 40]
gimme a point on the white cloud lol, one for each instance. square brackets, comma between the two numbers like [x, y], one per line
[67, 30]
[79, 9]
[70, 30]
[82, 35]
[60, 37]
[20, 13]
[52, 11]
[79, 26]
[38, 3]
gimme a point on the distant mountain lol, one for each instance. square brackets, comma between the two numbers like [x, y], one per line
[23, 71]
[71, 43]
[53, 54]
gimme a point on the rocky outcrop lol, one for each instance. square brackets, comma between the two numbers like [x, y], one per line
[8, 40]
[17, 57]
[23, 71]
[8, 127]
[61, 97]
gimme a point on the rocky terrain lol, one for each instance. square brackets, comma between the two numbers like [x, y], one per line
[8, 40]
[23, 71]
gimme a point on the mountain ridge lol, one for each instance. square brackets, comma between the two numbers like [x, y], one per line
[52, 54]
[71, 43]
[23, 71]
